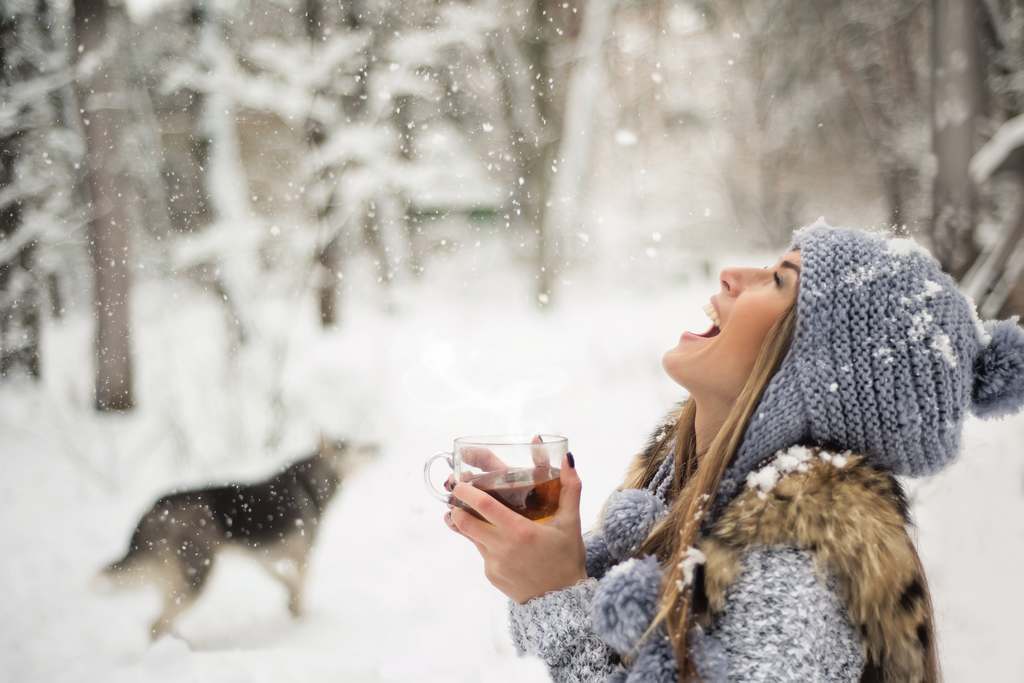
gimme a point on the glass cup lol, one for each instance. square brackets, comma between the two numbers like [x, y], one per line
[518, 470]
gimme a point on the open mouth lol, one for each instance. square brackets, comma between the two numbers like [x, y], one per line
[713, 331]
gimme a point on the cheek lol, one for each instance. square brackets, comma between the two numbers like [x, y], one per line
[750, 333]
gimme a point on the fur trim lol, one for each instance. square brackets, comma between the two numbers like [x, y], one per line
[852, 518]
[657, 440]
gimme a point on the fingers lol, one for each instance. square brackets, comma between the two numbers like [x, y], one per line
[539, 454]
[482, 458]
[479, 532]
[569, 498]
[451, 525]
[489, 508]
[449, 483]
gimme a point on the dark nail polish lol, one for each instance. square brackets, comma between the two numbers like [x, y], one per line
[572, 461]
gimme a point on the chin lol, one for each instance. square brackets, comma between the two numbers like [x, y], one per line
[672, 364]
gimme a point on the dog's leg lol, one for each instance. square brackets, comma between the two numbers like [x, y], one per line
[291, 574]
[186, 576]
[296, 594]
[176, 601]
[288, 565]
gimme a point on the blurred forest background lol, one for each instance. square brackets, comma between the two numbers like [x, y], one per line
[229, 225]
[255, 147]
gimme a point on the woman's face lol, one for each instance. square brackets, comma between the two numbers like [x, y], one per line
[715, 365]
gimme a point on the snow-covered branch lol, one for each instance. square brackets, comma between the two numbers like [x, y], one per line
[987, 160]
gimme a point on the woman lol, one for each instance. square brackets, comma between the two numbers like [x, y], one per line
[761, 535]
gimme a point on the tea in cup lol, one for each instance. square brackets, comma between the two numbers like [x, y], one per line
[515, 470]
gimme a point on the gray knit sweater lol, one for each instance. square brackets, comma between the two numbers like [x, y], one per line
[781, 622]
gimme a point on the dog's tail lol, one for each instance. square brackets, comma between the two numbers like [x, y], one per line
[123, 565]
[119, 572]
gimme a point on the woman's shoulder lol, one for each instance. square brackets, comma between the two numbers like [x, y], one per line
[815, 488]
[850, 515]
[834, 512]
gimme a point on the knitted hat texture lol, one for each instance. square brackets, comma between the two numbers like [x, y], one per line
[886, 358]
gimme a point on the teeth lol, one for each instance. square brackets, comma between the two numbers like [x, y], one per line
[713, 314]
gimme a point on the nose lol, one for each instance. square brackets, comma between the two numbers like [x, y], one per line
[730, 279]
[734, 280]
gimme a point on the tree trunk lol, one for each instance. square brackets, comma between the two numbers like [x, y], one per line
[102, 101]
[568, 185]
[336, 242]
[954, 107]
[19, 290]
[328, 286]
[316, 135]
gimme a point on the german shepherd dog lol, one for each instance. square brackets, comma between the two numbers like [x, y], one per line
[275, 521]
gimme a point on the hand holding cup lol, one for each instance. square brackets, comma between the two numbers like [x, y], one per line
[523, 558]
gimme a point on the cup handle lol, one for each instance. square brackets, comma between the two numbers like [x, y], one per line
[447, 455]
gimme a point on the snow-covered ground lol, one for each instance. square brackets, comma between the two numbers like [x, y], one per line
[393, 595]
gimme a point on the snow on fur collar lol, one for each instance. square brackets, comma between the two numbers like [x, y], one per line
[851, 517]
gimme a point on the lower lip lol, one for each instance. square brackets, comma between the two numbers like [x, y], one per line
[688, 336]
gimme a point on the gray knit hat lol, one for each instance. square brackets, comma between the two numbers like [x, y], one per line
[886, 357]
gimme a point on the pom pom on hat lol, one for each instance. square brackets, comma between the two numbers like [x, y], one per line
[999, 371]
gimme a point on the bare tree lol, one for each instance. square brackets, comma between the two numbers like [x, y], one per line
[956, 80]
[37, 181]
[99, 87]
[532, 53]
[996, 279]
[584, 85]
[19, 306]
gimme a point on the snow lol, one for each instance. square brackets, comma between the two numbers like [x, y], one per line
[792, 459]
[393, 595]
[625, 137]
[920, 323]
[763, 479]
[980, 331]
[941, 343]
[689, 563]
[907, 246]
[931, 288]
[860, 276]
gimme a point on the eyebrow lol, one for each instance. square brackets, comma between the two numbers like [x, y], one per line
[790, 264]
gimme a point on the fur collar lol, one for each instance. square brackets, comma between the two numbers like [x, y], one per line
[853, 520]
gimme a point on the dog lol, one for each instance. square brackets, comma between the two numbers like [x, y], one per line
[176, 542]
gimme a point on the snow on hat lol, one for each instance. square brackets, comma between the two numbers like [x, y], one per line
[886, 358]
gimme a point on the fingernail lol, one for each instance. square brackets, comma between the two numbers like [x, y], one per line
[572, 461]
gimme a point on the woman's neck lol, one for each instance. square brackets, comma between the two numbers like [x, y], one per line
[708, 421]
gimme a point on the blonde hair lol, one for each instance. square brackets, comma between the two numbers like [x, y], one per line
[695, 482]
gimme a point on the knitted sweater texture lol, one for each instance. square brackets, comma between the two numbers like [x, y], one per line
[782, 622]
